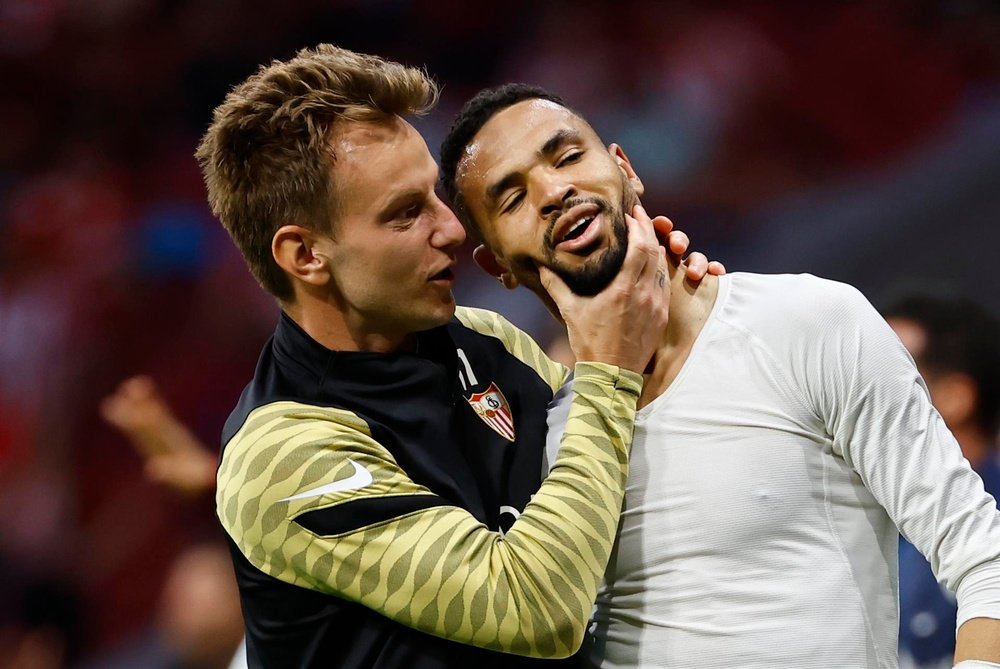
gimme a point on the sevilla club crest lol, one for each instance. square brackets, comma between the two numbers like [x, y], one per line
[492, 407]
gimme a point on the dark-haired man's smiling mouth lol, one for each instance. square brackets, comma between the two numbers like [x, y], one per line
[578, 229]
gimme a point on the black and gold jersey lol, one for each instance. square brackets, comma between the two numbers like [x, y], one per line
[387, 510]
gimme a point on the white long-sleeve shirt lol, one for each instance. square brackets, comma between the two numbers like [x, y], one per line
[766, 485]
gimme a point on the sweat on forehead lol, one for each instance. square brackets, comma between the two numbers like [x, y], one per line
[473, 116]
[536, 125]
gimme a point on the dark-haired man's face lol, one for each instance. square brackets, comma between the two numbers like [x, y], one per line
[544, 190]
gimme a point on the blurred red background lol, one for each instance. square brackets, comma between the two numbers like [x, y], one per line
[855, 140]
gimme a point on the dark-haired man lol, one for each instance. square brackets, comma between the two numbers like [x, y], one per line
[759, 527]
[956, 345]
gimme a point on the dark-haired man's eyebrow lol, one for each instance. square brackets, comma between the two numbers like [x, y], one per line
[557, 141]
[551, 146]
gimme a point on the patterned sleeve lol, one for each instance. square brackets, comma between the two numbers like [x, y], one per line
[311, 499]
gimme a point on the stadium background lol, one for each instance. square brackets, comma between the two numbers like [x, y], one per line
[855, 140]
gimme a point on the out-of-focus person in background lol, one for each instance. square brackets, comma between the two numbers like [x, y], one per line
[956, 345]
[199, 607]
[43, 626]
[198, 623]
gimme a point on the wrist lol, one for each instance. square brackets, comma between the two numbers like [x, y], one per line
[611, 376]
[620, 361]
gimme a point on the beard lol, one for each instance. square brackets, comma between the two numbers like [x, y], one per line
[596, 273]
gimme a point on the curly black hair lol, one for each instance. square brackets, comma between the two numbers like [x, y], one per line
[473, 116]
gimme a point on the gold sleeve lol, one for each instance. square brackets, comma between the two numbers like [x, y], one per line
[435, 568]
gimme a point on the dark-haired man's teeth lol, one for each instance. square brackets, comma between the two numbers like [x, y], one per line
[580, 224]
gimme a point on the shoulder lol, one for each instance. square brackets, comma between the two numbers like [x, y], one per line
[294, 472]
[819, 334]
[285, 451]
[794, 292]
[489, 323]
[283, 437]
[516, 342]
[786, 304]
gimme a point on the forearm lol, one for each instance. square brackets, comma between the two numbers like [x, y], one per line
[557, 552]
[531, 591]
[978, 639]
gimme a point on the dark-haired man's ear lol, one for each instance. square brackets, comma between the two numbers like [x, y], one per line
[299, 252]
[625, 166]
[490, 264]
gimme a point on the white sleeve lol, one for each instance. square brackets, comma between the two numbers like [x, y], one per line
[239, 660]
[878, 413]
[558, 414]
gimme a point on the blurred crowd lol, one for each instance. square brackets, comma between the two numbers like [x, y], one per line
[857, 140]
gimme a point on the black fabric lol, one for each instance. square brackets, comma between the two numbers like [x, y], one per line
[415, 405]
[363, 512]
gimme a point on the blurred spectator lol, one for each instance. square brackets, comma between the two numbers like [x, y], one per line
[956, 345]
[198, 624]
[174, 457]
[45, 633]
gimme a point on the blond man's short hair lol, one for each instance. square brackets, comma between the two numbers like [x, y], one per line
[266, 157]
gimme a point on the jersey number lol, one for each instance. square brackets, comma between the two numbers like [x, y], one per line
[468, 378]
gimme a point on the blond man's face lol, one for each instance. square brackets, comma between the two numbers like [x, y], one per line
[394, 241]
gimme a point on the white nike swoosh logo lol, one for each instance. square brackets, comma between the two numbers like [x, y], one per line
[359, 479]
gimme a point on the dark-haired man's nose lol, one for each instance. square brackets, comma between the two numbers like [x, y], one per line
[554, 194]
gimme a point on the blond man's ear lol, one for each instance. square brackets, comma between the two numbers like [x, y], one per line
[297, 251]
